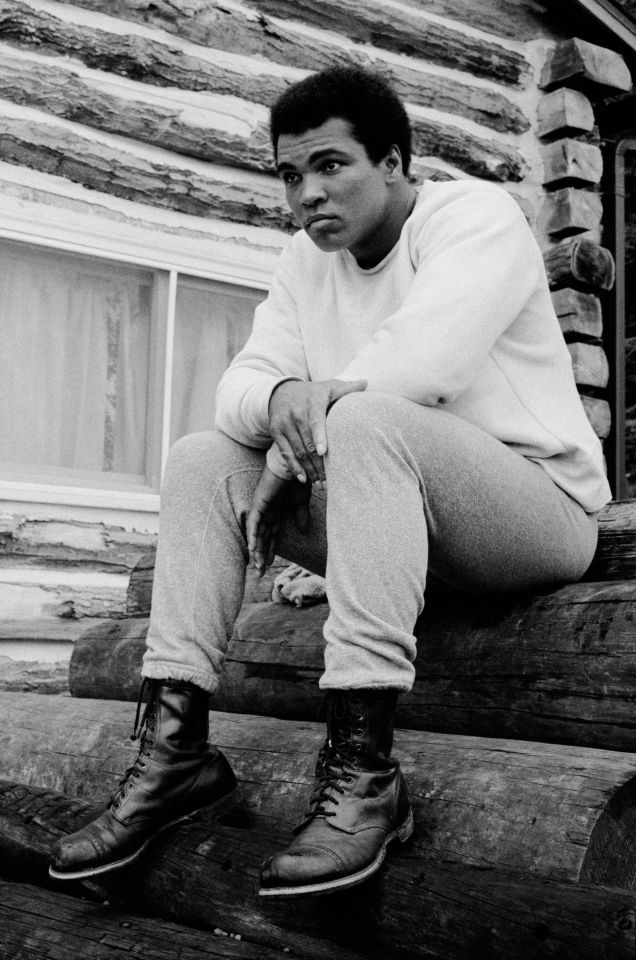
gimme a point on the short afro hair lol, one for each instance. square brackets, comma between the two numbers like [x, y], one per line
[375, 112]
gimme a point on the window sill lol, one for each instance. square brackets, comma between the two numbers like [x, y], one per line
[139, 501]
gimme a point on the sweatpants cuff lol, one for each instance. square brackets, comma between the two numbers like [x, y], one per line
[163, 670]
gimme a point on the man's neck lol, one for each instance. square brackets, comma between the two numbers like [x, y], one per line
[400, 208]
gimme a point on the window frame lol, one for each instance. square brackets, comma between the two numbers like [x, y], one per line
[164, 253]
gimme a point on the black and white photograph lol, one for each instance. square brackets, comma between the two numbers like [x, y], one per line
[317, 480]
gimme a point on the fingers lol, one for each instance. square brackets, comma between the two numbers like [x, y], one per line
[289, 454]
[261, 539]
[296, 444]
[298, 423]
[339, 388]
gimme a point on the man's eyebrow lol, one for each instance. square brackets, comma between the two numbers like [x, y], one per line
[313, 158]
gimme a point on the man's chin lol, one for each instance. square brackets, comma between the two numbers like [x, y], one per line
[328, 244]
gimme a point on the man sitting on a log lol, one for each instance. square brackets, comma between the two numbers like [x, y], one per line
[407, 354]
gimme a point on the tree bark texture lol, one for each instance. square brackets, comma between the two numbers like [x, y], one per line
[557, 667]
[455, 912]
[105, 547]
[570, 211]
[551, 809]
[44, 145]
[40, 924]
[499, 824]
[125, 172]
[579, 313]
[523, 20]
[577, 63]
[570, 162]
[214, 25]
[564, 111]
[580, 263]
[599, 414]
[155, 61]
[590, 364]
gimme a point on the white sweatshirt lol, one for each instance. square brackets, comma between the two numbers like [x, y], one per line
[458, 313]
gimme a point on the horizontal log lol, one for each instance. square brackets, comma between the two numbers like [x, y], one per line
[570, 211]
[23, 676]
[197, 126]
[564, 112]
[138, 55]
[194, 129]
[557, 667]
[599, 414]
[615, 557]
[218, 25]
[516, 817]
[570, 162]
[579, 313]
[590, 364]
[38, 923]
[103, 546]
[140, 173]
[616, 552]
[579, 262]
[522, 21]
[475, 800]
[50, 629]
[475, 155]
[41, 593]
[459, 910]
[577, 63]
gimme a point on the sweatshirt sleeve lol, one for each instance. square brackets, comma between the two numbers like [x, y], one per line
[477, 263]
[273, 353]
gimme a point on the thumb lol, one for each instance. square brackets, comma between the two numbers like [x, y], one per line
[341, 387]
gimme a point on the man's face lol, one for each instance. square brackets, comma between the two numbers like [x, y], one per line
[335, 192]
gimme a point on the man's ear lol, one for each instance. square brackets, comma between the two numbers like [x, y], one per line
[393, 163]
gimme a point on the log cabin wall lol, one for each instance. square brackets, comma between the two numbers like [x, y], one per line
[140, 129]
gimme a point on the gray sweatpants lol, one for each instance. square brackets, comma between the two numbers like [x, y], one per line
[409, 489]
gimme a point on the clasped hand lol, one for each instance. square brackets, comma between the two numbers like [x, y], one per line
[298, 422]
[298, 426]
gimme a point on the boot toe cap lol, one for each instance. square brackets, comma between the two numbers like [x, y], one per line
[305, 866]
[74, 853]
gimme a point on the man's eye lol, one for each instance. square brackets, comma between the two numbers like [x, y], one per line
[289, 177]
[331, 165]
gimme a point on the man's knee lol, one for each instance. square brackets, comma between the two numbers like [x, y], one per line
[206, 455]
[370, 414]
[355, 412]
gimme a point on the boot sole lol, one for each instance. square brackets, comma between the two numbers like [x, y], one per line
[401, 833]
[223, 805]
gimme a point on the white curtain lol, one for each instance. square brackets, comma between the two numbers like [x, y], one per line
[212, 324]
[74, 356]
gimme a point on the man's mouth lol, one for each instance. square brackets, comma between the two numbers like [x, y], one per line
[317, 218]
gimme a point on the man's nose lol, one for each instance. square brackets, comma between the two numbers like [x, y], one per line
[312, 192]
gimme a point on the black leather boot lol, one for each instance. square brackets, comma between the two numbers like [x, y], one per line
[176, 774]
[358, 805]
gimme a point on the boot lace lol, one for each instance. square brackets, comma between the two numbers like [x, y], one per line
[338, 763]
[142, 730]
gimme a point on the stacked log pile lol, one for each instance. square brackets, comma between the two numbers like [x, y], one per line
[576, 74]
[518, 745]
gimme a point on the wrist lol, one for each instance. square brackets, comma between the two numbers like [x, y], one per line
[275, 389]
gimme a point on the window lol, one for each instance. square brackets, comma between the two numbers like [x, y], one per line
[212, 322]
[104, 364]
